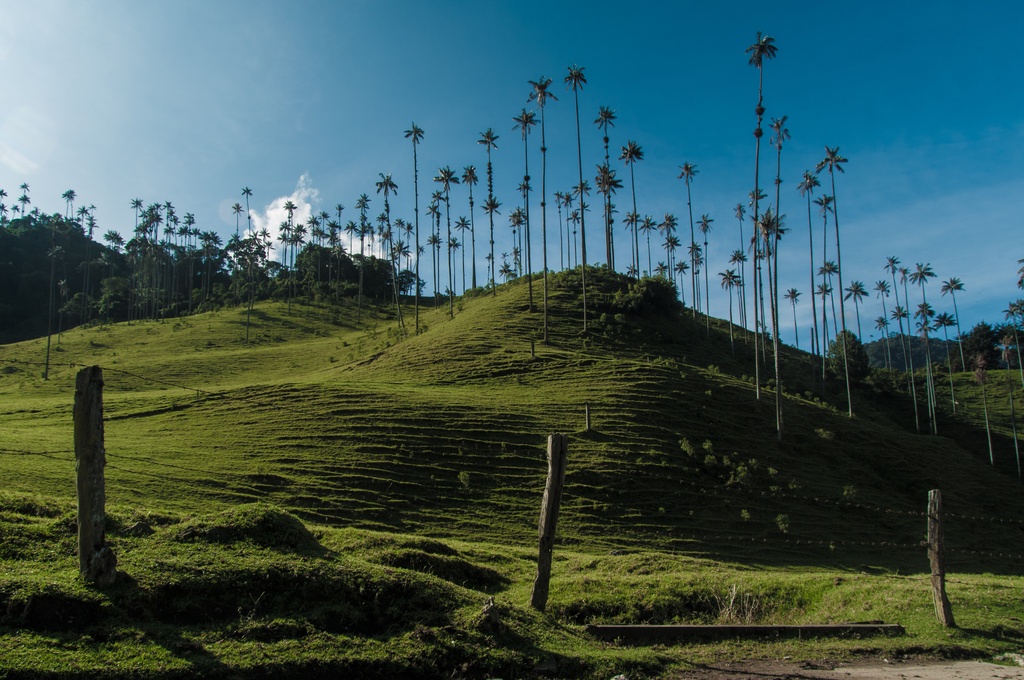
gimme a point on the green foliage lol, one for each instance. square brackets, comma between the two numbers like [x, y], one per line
[981, 341]
[263, 467]
[646, 297]
[856, 357]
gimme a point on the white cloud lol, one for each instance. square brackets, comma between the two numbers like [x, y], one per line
[304, 197]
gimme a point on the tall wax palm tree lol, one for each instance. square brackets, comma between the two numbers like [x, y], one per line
[687, 172]
[763, 48]
[780, 136]
[69, 198]
[882, 324]
[903, 313]
[489, 140]
[730, 279]
[647, 226]
[944, 321]
[824, 291]
[672, 244]
[953, 286]
[605, 119]
[434, 240]
[892, 265]
[793, 296]
[834, 162]
[856, 292]
[925, 314]
[462, 225]
[919, 277]
[524, 121]
[740, 212]
[469, 179]
[738, 257]
[607, 184]
[575, 81]
[697, 258]
[770, 226]
[824, 204]
[559, 201]
[541, 94]
[827, 271]
[247, 193]
[362, 205]
[290, 208]
[415, 134]
[705, 226]
[385, 185]
[631, 153]
[882, 288]
[667, 228]
[680, 272]
[806, 187]
[446, 177]
[1014, 313]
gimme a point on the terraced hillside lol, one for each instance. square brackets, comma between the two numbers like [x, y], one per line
[442, 434]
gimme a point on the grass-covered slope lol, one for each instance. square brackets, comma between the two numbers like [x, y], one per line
[427, 453]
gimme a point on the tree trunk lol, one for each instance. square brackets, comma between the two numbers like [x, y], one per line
[97, 563]
[557, 454]
[943, 610]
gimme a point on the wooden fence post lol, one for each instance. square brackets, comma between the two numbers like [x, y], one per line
[586, 415]
[936, 557]
[96, 561]
[558, 449]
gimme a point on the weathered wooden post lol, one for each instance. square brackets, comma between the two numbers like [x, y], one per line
[586, 415]
[558, 450]
[943, 610]
[96, 561]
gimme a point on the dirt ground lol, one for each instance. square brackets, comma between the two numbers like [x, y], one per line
[876, 669]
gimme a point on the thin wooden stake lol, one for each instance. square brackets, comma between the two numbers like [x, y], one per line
[96, 561]
[558, 450]
[943, 610]
[586, 413]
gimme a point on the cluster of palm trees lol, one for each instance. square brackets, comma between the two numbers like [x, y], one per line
[164, 262]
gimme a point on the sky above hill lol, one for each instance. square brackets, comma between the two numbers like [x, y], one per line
[189, 101]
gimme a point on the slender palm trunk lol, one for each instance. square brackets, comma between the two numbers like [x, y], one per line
[693, 242]
[949, 369]
[707, 289]
[796, 331]
[583, 220]
[888, 352]
[757, 193]
[526, 216]
[636, 223]
[416, 209]
[910, 363]
[842, 308]
[988, 430]
[472, 235]
[963, 364]
[451, 279]
[544, 219]
[490, 216]
[815, 347]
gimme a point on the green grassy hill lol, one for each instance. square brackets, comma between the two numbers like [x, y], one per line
[425, 454]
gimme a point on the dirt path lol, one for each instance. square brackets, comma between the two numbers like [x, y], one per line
[874, 669]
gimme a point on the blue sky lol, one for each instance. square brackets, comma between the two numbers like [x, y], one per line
[189, 101]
